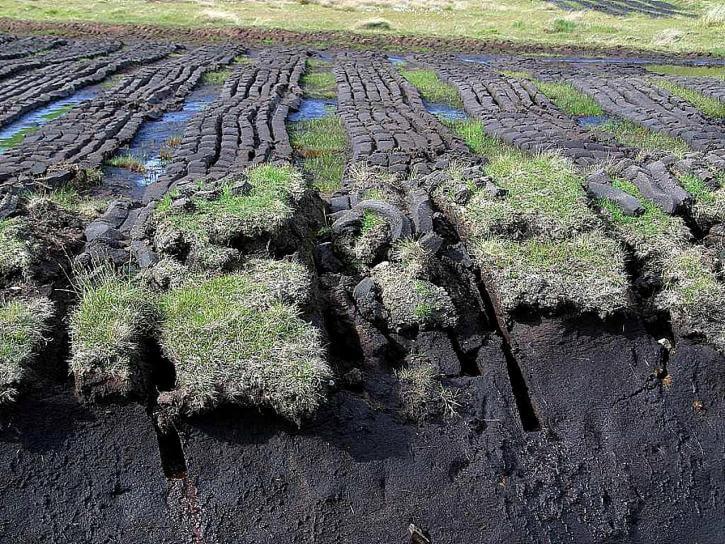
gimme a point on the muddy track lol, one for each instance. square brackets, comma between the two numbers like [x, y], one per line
[536, 423]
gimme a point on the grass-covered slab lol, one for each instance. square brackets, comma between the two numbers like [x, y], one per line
[633, 135]
[259, 203]
[540, 243]
[240, 339]
[108, 329]
[411, 301]
[23, 323]
[15, 249]
[691, 291]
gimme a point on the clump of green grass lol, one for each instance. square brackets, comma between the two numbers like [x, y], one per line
[516, 74]
[569, 99]
[114, 315]
[687, 71]
[432, 88]
[422, 394]
[376, 23]
[370, 220]
[711, 107]
[561, 26]
[15, 249]
[23, 323]
[128, 161]
[266, 208]
[544, 197]
[632, 135]
[67, 198]
[697, 188]
[318, 81]
[58, 112]
[411, 301]
[239, 339]
[216, 77]
[322, 144]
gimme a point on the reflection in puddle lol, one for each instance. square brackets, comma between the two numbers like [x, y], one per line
[445, 111]
[153, 145]
[14, 133]
[592, 120]
[396, 59]
[312, 108]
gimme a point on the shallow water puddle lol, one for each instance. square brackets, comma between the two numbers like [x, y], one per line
[445, 111]
[396, 60]
[477, 59]
[312, 108]
[153, 144]
[591, 120]
[14, 133]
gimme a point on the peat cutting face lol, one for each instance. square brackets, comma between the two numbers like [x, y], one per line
[286, 294]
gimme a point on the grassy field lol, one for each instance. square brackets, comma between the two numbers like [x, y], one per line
[519, 21]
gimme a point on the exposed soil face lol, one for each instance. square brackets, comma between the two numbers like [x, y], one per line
[543, 424]
[619, 458]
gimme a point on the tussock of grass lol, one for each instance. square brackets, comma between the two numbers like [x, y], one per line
[422, 394]
[559, 26]
[127, 161]
[413, 302]
[15, 250]
[322, 143]
[711, 107]
[107, 329]
[568, 99]
[318, 81]
[23, 323]
[432, 88]
[697, 188]
[216, 77]
[687, 71]
[376, 23]
[632, 135]
[67, 198]
[266, 208]
[240, 339]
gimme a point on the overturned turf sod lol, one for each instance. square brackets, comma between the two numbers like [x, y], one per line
[23, 323]
[108, 328]
[240, 339]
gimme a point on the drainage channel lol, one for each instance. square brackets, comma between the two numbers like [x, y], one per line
[144, 161]
[15, 132]
[445, 112]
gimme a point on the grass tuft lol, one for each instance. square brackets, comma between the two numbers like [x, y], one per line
[422, 394]
[711, 107]
[322, 143]
[107, 330]
[687, 71]
[266, 208]
[127, 161]
[432, 88]
[216, 77]
[15, 250]
[633, 135]
[23, 323]
[569, 99]
[240, 339]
